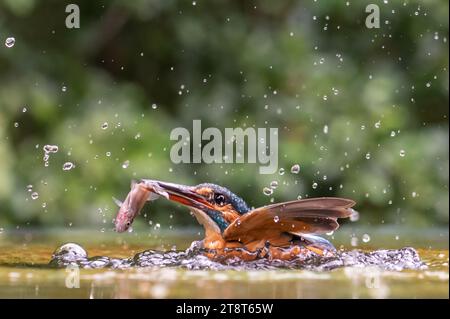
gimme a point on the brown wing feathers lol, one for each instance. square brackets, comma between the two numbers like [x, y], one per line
[310, 216]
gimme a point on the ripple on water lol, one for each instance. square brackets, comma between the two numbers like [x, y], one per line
[193, 259]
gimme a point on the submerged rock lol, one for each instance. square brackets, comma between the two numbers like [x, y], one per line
[193, 258]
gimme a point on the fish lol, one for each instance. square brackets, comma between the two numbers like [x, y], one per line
[139, 194]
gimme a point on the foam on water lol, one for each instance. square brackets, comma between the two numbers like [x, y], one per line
[193, 258]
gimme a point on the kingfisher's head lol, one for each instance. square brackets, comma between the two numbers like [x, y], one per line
[214, 206]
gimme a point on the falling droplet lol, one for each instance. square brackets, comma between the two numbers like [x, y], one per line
[295, 169]
[50, 148]
[273, 184]
[67, 166]
[402, 153]
[267, 191]
[325, 129]
[366, 238]
[126, 164]
[9, 42]
[354, 215]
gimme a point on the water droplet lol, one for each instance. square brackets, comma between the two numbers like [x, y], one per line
[281, 171]
[377, 124]
[267, 191]
[414, 194]
[295, 169]
[24, 110]
[366, 238]
[402, 153]
[354, 241]
[126, 164]
[276, 219]
[64, 88]
[273, 184]
[29, 188]
[368, 156]
[104, 125]
[9, 42]
[34, 195]
[44, 204]
[392, 133]
[154, 106]
[314, 185]
[50, 148]
[16, 124]
[67, 166]
[325, 129]
[157, 226]
[354, 215]
[108, 154]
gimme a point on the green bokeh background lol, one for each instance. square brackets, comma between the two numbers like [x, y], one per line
[295, 65]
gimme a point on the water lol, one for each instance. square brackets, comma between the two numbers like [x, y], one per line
[142, 265]
[192, 258]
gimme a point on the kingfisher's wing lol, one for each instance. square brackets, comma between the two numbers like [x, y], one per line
[307, 216]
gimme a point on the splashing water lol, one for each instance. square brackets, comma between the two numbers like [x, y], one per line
[193, 258]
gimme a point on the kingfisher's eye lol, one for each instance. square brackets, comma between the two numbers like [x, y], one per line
[219, 199]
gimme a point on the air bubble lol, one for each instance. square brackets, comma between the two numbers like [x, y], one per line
[276, 219]
[104, 125]
[402, 153]
[34, 195]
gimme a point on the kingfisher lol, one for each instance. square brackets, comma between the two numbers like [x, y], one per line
[283, 231]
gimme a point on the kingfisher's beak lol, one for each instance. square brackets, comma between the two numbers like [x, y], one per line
[182, 194]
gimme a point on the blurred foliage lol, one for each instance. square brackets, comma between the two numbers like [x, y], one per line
[295, 65]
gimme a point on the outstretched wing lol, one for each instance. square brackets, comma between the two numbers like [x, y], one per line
[307, 216]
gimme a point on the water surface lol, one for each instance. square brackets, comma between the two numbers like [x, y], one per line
[158, 266]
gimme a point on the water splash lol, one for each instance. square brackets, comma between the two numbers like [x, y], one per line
[193, 258]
